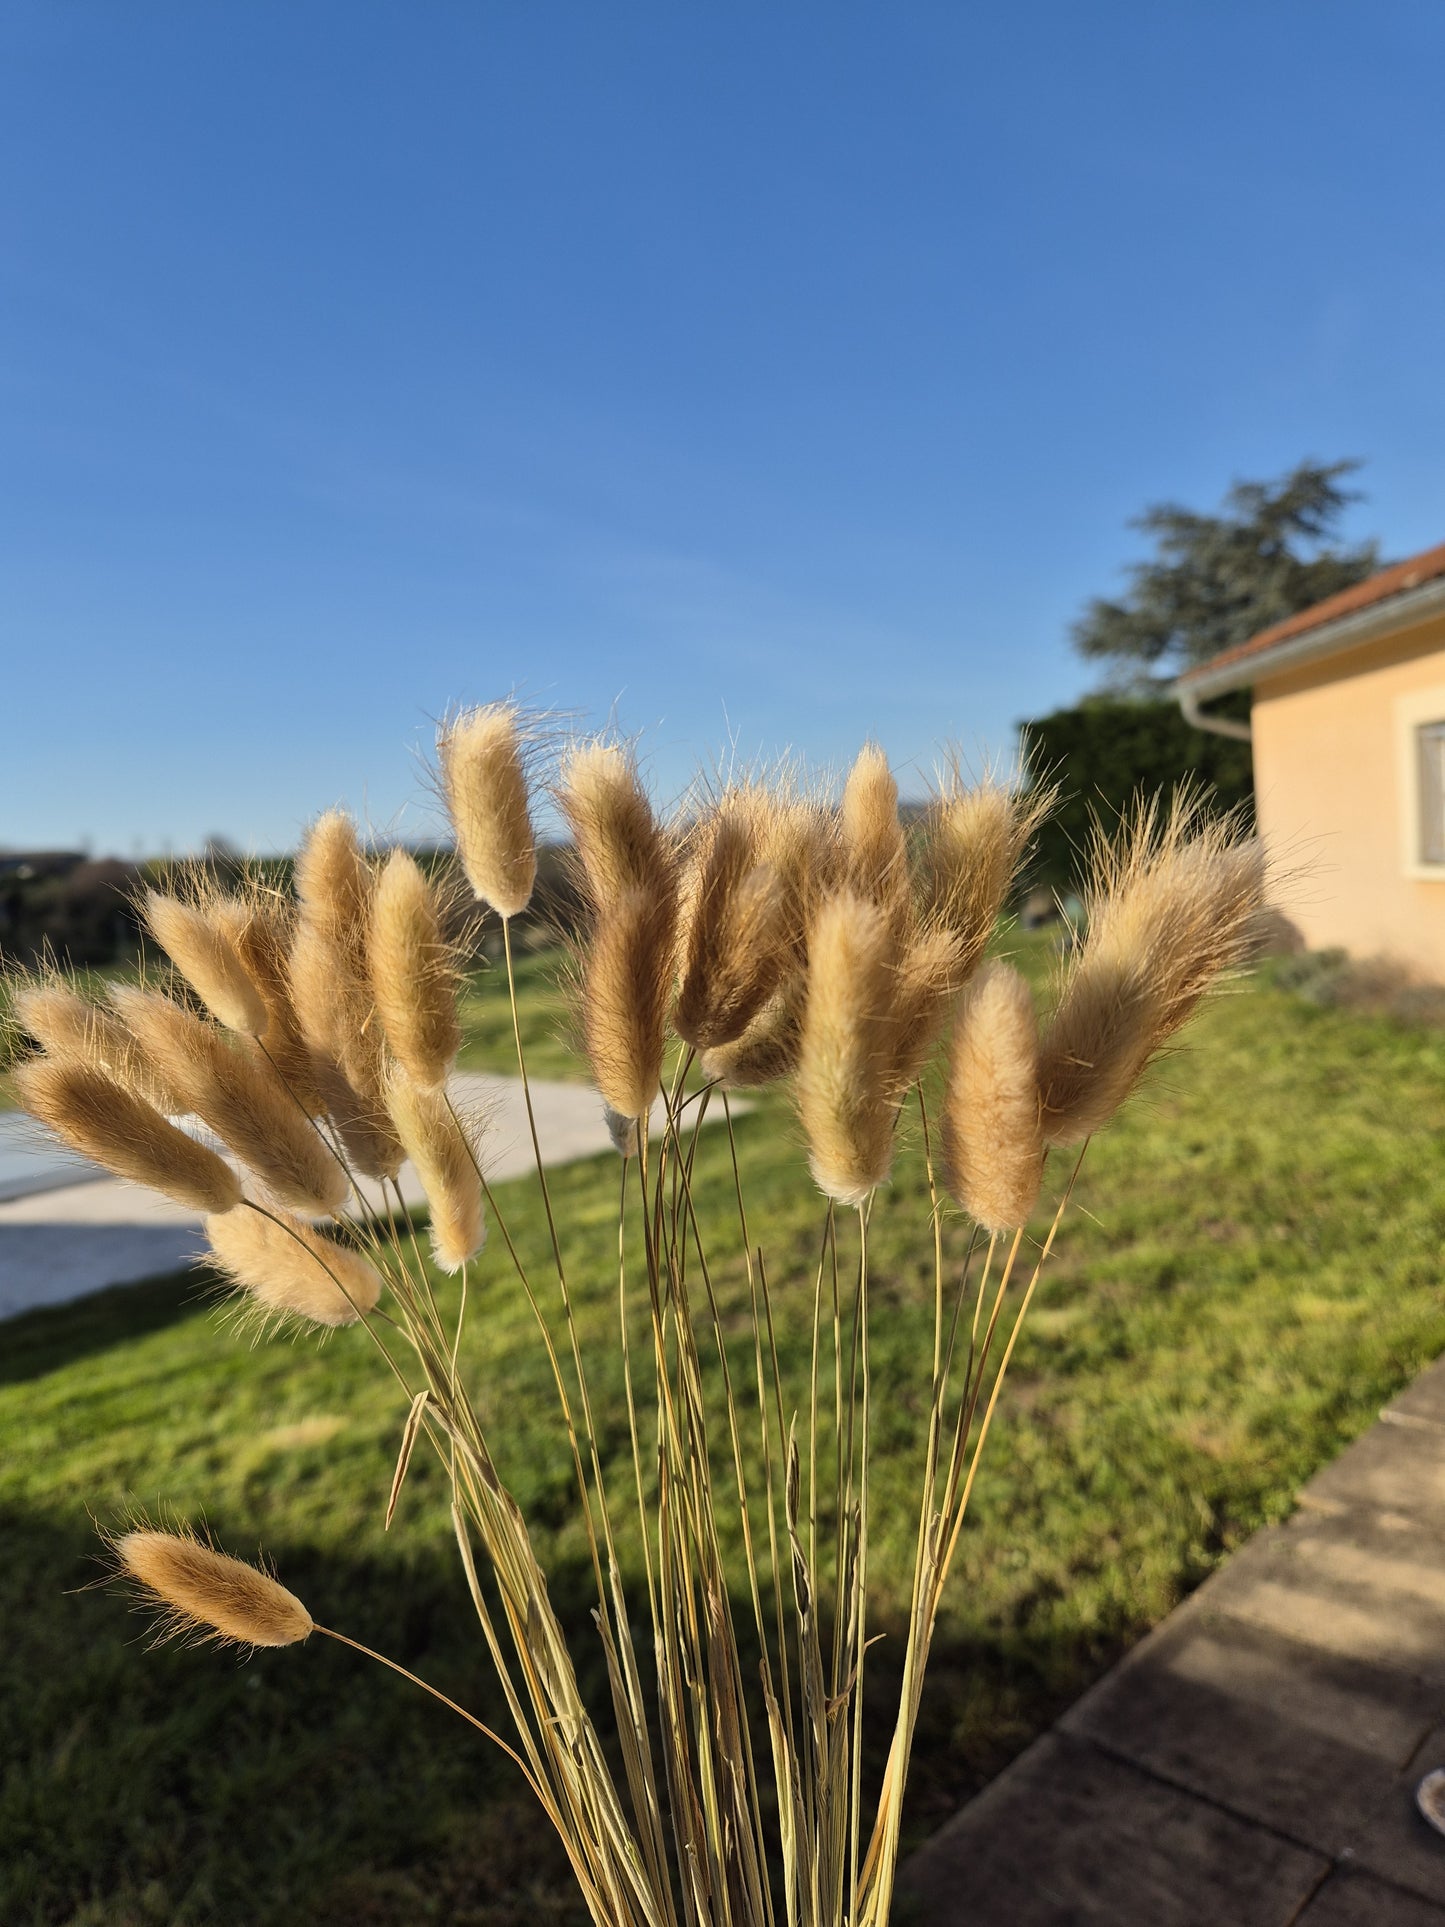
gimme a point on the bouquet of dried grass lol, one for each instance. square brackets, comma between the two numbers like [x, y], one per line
[773, 936]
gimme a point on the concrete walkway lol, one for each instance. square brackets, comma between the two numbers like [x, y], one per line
[67, 1229]
[1253, 1762]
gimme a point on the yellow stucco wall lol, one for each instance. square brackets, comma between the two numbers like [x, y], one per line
[1336, 786]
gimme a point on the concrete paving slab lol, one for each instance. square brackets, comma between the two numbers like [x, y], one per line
[1369, 1585]
[1396, 1843]
[1394, 1468]
[75, 1230]
[1070, 1835]
[1424, 1400]
[1306, 1741]
[1353, 1899]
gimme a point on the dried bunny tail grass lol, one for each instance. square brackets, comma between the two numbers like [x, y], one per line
[199, 937]
[290, 1269]
[799, 840]
[206, 1595]
[619, 840]
[104, 1120]
[1173, 906]
[239, 1096]
[447, 1166]
[768, 1049]
[625, 1132]
[414, 975]
[929, 978]
[734, 947]
[875, 850]
[993, 1141]
[484, 780]
[331, 991]
[263, 928]
[72, 1029]
[971, 844]
[847, 1048]
[626, 983]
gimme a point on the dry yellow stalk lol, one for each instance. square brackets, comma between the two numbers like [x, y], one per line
[292, 1269]
[993, 1141]
[413, 973]
[1173, 905]
[200, 940]
[485, 782]
[103, 1120]
[239, 1095]
[845, 1062]
[447, 1166]
[207, 1595]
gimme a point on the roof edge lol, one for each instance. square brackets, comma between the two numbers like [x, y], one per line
[1325, 639]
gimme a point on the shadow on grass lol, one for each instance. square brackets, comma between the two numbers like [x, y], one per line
[185, 1786]
[36, 1342]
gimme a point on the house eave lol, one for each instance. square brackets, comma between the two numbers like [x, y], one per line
[1401, 611]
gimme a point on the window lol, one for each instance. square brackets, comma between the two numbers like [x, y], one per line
[1430, 761]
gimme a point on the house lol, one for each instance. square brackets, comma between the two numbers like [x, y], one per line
[1348, 731]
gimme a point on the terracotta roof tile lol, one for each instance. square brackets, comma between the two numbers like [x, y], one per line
[1395, 580]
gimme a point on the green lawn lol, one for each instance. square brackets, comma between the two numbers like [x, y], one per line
[1252, 1267]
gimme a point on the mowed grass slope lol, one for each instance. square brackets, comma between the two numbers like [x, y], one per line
[1251, 1267]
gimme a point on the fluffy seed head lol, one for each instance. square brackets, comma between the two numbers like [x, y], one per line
[993, 1143]
[77, 1031]
[485, 782]
[972, 842]
[930, 974]
[263, 929]
[293, 1270]
[200, 940]
[618, 838]
[104, 1120]
[626, 982]
[874, 849]
[234, 1090]
[207, 1595]
[1173, 905]
[735, 943]
[768, 1049]
[447, 1166]
[847, 1050]
[331, 991]
[413, 973]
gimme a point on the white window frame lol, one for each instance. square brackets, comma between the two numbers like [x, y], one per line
[1412, 714]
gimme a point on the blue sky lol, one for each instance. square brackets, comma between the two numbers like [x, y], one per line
[776, 375]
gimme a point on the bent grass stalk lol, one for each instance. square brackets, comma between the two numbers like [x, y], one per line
[730, 1810]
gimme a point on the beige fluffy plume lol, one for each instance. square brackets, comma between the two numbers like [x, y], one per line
[103, 1120]
[484, 779]
[234, 1090]
[847, 1051]
[200, 939]
[292, 1269]
[735, 943]
[631, 878]
[1173, 905]
[447, 1166]
[413, 973]
[874, 848]
[205, 1595]
[263, 927]
[74, 1030]
[993, 1143]
[972, 842]
[331, 991]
